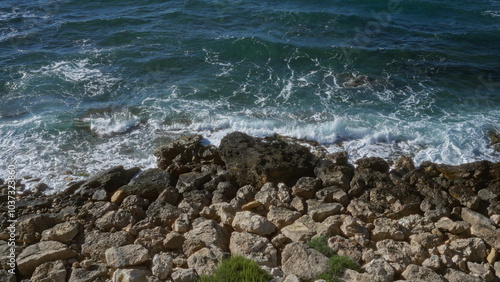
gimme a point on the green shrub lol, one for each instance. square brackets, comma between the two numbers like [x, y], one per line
[337, 265]
[320, 244]
[237, 269]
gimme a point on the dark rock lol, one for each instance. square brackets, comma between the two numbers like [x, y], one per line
[194, 202]
[92, 273]
[36, 203]
[109, 180]
[149, 184]
[338, 158]
[28, 226]
[225, 192]
[192, 181]
[257, 161]
[306, 187]
[374, 163]
[179, 155]
[404, 165]
[334, 175]
[162, 213]
[96, 243]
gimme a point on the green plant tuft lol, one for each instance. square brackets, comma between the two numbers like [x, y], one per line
[337, 265]
[320, 244]
[237, 269]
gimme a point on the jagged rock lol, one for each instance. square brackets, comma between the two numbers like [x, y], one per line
[346, 247]
[95, 210]
[416, 223]
[178, 153]
[395, 251]
[471, 249]
[305, 263]
[162, 213]
[225, 212]
[418, 273]
[173, 241]
[253, 247]
[488, 233]
[50, 272]
[281, 216]
[298, 204]
[334, 175]
[433, 262]
[89, 274]
[374, 163]
[465, 195]
[115, 219]
[474, 218]
[134, 201]
[306, 187]
[361, 209]
[210, 233]
[29, 225]
[149, 184]
[457, 275]
[192, 181]
[404, 164]
[303, 229]
[184, 275]
[181, 224]
[323, 211]
[426, 240]
[63, 232]
[151, 239]
[454, 227]
[194, 201]
[205, 259]
[96, 243]
[353, 226]
[257, 161]
[333, 195]
[268, 195]
[109, 180]
[481, 271]
[128, 255]
[380, 269]
[386, 228]
[131, 275]
[162, 265]
[225, 192]
[40, 253]
[253, 223]
[191, 246]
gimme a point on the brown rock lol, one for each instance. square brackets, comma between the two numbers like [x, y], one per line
[40, 253]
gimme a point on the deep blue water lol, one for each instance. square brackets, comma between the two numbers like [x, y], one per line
[88, 84]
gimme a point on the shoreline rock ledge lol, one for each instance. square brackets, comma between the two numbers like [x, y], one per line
[263, 199]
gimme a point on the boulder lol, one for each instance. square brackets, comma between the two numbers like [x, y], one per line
[323, 211]
[333, 195]
[194, 201]
[184, 275]
[63, 232]
[50, 272]
[418, 273]
[96, 243]
[29, 225]
[192, 181]
[281, 216]
[257, 161]
[253, 223]
[380, 269]
[162, 265]
[173, 241]
[206, 259]
[128, 255]
[210, 233]
[149, 184]
[109, 180]
[474, 218]
[115, 219]
[471, 249]
[395, 251]
[89, 274]
[306, 187]
[453, 227]
[254, 247]
[373, 163]
[332, 174]
[457, 275]
[386, 228]
[306, 263]
[131, 275]
[152, 239]
[39, 253]
[162, 213]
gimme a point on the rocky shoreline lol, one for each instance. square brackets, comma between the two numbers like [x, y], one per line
[262, 199]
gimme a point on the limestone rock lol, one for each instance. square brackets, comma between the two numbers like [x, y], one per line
[256, 161]
[253, 247]
[333, 195]
[457, 275]
[128, 255]
[323, 211]
[40, 253]
[50, 272]
[386, 228]
[332, 174]
[471, 249]
[205, 259]
[454, 227]
[281, 216]
[306, 187]
[418, 273]
[63, 232]
[115, 219]
[253, 223]
[395, 251]
[380, 269]
[184, 275]
[173, 241]
[162, 265]
[474, 218]
[192, 181]
[210, 233]
[148, 184]
[28, 226]
[96, 243]
[109, 180]
[353, 226]
[305, 263]
[481, 271]
[89, 274]
[131, 275]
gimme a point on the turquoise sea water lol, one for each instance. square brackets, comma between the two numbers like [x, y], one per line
[87, 84]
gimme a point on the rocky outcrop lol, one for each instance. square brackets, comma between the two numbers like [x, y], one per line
[263, 202]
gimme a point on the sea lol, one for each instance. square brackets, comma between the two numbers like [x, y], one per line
[90, 84]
